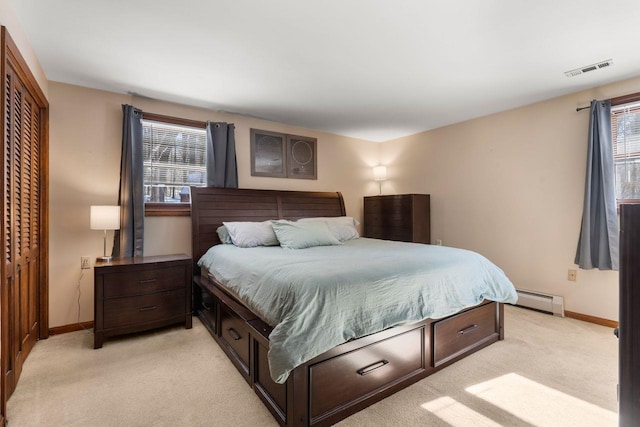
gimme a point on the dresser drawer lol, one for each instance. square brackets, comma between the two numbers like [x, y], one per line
[363, 371]
[235, 334]
[388, 220]
[374, 232]
[144, 308]
[385, 233]
[388, 204]
[457, 334]
[143, 281]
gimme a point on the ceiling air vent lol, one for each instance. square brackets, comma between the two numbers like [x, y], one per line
[588, 68]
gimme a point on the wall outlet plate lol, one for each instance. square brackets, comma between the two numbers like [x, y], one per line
[85, 262]
[572, 275]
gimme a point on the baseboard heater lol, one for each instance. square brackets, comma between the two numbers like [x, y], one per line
[552, 304]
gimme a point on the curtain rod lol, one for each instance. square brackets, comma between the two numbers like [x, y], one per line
[624, 99]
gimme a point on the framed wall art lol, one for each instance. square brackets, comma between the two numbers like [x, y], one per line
[268, 155]
[301, 157]
[279, 155]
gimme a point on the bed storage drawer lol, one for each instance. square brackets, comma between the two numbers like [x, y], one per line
[235, 334]
[362, 372]
[462, 332]
[144, 308]
[273, 394]
[207, 310]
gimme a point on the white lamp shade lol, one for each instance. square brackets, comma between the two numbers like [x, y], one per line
[380, 173]
[105, 217]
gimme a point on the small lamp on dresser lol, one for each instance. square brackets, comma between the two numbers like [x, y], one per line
[105, 218]
[380, 174]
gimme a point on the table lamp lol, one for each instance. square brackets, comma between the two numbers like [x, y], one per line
[105, 218]
[380, 174]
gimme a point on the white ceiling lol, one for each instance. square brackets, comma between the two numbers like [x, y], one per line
[372, 69]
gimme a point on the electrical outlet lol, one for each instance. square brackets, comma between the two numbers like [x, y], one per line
[85, 262]
[572, 275]
[438, 242]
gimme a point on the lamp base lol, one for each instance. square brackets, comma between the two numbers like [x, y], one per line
[105, 258]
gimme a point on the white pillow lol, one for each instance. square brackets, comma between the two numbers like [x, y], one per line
[223, 235]
[342, 227]
[300, 235]
[251, 234]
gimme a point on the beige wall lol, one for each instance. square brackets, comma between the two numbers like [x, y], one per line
[85, 140]
[510, 186]
[9, 19]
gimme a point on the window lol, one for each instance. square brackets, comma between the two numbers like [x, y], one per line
[625, 129]
[174, 158]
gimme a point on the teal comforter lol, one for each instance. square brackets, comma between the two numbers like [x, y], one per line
[320, 297]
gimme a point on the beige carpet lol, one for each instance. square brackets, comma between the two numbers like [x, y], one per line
[548, 372]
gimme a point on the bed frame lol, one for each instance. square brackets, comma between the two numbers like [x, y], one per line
[349, 377]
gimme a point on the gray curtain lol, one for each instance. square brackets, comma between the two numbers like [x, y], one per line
[222, 169]
[598, 243]
[129, 240]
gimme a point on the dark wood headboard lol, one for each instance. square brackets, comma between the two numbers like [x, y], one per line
[210, 206]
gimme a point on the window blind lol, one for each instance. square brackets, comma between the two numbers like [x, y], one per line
[174, 158]
[625, 129]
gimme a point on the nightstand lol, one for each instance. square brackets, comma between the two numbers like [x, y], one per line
[402, 217]
[142, 293]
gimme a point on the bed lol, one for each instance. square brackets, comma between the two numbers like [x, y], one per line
[322, 387]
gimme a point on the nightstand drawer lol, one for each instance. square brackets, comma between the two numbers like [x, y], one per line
[144, 308]
[143, 281]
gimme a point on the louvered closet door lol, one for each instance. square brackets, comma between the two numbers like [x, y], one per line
[9, 288]
[7, 238]
[21, 210]
[27, 261]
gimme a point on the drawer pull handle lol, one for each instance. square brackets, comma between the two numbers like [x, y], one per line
[149, 308]
[206, 306]
[144, 282]
[468, 330]
[368, 369]
[234, 334]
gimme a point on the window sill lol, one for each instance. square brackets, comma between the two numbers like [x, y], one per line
[167, 209]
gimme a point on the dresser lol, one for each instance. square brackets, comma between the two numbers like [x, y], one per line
[402, 217]
[629, 291]
[142, 293]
